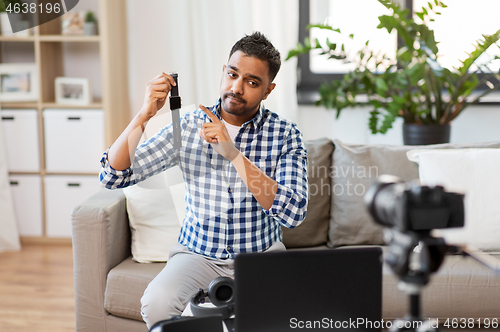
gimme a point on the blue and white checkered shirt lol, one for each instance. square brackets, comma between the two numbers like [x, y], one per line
[222, 217]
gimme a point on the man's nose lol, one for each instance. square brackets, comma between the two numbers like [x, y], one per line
[238, 86]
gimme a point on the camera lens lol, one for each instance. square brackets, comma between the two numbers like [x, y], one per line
[224, 293]
[381, 200]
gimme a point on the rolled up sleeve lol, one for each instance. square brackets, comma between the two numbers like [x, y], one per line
[111, 178]
[151, 157]
[290, 202]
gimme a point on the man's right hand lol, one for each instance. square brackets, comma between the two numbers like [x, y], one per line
[122, 152]
[156, 94]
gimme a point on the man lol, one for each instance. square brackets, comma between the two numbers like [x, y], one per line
[245, 173]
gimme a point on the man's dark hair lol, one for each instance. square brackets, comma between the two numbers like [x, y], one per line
[257, 45]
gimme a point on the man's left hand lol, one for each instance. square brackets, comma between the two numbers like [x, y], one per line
[216, 134]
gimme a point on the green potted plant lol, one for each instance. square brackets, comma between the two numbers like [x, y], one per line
[90, 24]
[12, 14]
[4, 18]
[414, 86]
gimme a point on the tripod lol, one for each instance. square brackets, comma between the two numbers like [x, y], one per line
[414, 274]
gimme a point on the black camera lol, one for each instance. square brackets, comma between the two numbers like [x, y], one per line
[411, 207]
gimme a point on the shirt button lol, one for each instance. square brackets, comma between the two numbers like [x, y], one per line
[229, 190]
[230, 219]
[228, 248]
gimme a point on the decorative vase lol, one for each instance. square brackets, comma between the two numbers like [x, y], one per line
[8, 20]
[5, 25]
[414, 134]
[90, 28]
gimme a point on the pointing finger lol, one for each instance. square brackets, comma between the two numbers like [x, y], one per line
[209, 114]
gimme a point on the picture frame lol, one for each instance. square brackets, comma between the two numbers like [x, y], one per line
[18, 82]
[72, 23]
[72, 91]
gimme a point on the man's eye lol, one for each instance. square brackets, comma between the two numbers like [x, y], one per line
[231, 74]
[252, 83]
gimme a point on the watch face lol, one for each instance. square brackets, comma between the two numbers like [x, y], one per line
[175, 102]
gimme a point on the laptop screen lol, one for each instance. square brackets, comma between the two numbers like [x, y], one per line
[314, 290]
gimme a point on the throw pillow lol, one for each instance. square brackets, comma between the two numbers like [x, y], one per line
[354, 168]
[155, 208]
[314, 229]
[475, 173]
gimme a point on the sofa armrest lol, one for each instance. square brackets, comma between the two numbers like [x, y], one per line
[101, 240]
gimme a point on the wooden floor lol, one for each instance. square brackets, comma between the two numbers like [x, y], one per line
[36, 289]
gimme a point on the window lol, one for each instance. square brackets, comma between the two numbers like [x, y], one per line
[457, 29]
[461, 25]
[363, 26]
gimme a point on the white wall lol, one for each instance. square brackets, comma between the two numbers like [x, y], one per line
[476, 124]
[163, 33]
[194, 37]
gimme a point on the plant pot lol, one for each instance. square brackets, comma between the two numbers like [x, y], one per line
[5, 25]
[414, 134]
[90, 28]
[8, 20]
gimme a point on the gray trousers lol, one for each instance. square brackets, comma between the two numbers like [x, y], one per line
[168, 294]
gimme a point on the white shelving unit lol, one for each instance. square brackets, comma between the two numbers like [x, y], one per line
[54, 149]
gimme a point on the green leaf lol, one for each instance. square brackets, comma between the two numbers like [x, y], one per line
[373, 121]
[481, 47]
[300, 47]
[307, 42]
[291, 54]
[399, 100]
[387, 123]
[387, 22]
[381, 84]
[323, 27]
[336, 57]
[331, 46]
[375, 103]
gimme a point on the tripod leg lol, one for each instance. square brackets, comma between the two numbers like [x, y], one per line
[415, 306]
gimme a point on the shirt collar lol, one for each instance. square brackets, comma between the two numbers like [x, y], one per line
[256, 120]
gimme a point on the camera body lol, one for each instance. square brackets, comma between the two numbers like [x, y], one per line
[409, 207]
[411, 211]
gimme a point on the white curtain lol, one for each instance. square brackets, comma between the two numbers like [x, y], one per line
[9, 237]
[194, 37]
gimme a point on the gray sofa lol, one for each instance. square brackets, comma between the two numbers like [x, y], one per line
[109, 284]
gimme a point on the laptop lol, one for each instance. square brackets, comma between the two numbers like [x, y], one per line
[313, 290]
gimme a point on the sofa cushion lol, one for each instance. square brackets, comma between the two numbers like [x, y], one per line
[354, 168]
[155, 208]
[461, 288]
[473, 172]
[314, 229]
[125, 286]
[443, 297]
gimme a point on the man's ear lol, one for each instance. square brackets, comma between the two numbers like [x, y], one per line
[223, 68]
[270, 88]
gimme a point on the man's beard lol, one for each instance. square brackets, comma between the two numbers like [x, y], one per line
[240, 109]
